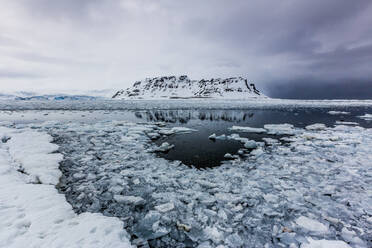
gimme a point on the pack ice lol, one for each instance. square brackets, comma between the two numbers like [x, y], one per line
[315, 191]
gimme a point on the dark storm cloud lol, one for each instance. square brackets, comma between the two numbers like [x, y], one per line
[293, 43]
[308, 88]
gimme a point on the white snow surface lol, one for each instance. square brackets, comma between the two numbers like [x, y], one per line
[33, 213]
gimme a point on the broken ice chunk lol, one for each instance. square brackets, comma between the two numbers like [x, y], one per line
[338, 112]
[346, 123]
[270, 141]
[213, 234]
[311, 225]
[153, 135]
[278, 129]
[323, 243]
[228, 156]
[183, 130]
[212, 137]
[257, 152]
[236, 137]
[132, 200]
[165, 146]
[316, 127]
[250, 144]
[149, 227]
[166, 131]
[165, 207]
[234, 240]
[248, 129]
[221, 137]
[367, 117]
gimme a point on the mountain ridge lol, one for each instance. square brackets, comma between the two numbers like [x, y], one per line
[184, 87]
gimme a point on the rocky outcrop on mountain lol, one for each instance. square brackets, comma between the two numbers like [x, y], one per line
[183, 87]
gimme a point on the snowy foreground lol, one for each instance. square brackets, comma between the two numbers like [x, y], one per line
[313, 192]
[32, 212]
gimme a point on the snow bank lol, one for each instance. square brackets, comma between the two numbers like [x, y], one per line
[33, 213]
[32, 151]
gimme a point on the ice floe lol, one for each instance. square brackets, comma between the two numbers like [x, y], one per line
[279, 128]
[248, 129]
[333, 112]
[367, 117]
[314, 191]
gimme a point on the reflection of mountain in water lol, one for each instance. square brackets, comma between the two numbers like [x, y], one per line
[183, 116]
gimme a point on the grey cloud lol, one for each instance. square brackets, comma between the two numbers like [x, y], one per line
[19, 75]
[271, 42]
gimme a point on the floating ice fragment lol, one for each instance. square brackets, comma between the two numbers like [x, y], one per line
[166, 131]
[278, 129]
[212, 137]
[234, 240]
[183, 130]
[311, 225]
[351, 237]
[221, 137]
[323, 243]
[338, 112]
[149, 227]
[78, 176]
[270, 141]
[367, 117]
[346, 123]
[316, 127]
[250, 144]
[236, 137]
[165, 146]
[205, 244]
[165, 207]
[228, 156]
[248, 129]
[257, 152]
[153, 135]
[213, 234]
[133, 200]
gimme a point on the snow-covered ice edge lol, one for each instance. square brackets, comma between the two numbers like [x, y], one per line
[32, 212]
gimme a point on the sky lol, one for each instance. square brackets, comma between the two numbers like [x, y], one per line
[289, 48]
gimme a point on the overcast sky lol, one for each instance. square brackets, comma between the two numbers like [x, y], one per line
[286, 47]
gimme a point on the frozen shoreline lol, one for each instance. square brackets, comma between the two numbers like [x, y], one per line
[32, 212]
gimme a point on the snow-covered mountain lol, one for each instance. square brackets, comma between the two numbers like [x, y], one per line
[183, 87]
